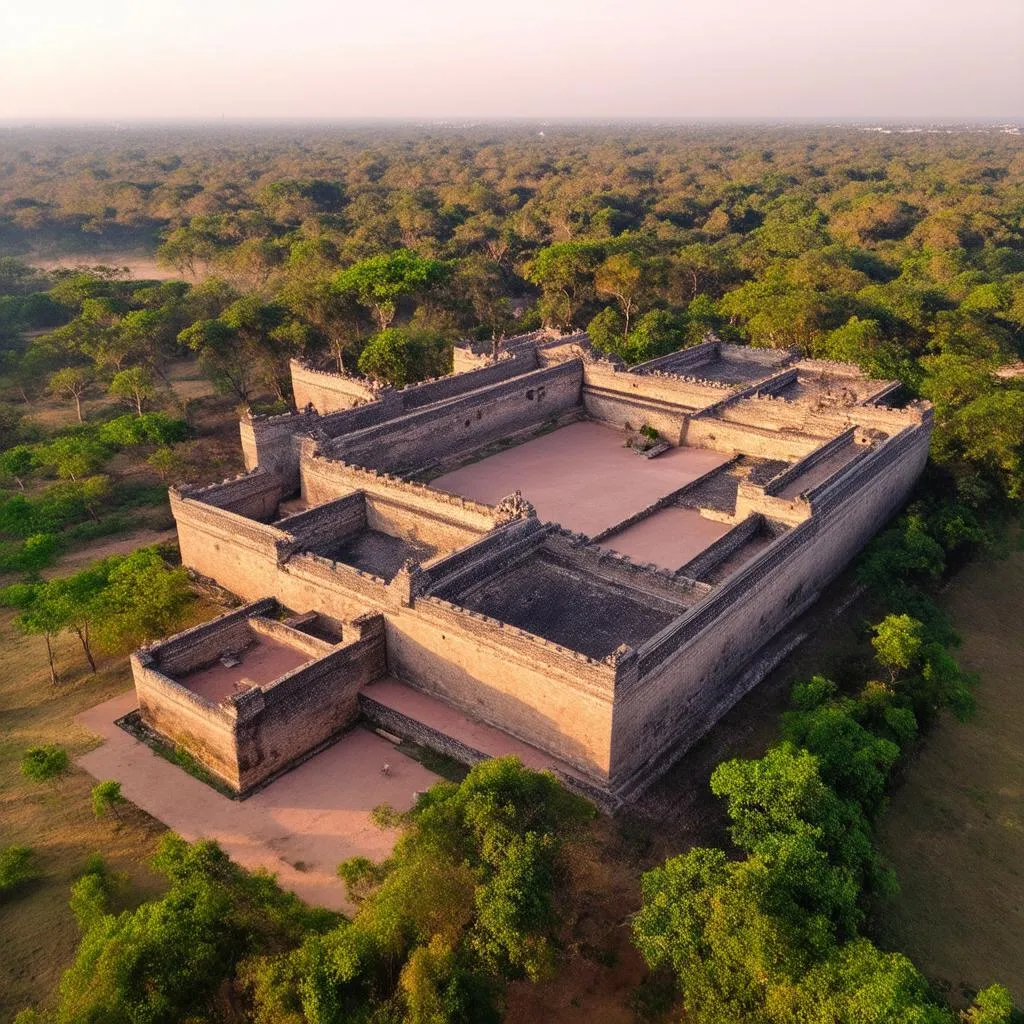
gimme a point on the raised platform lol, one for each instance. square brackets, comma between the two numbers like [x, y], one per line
[581, 475]
[300, 826]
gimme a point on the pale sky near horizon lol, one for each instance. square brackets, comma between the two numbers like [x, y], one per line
[208, 59]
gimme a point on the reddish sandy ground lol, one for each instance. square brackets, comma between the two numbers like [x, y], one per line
[448, 720]
[260, 663]
[669, 538]
[300, 827]
[580, 476]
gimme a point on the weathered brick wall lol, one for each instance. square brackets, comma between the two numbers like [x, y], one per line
[415, 396]
[727, 545]
[307, 582]
[306, 708]
[801, 466]
[204, 644]
[255, 495]
[250, 737]
[419, 439]
[480, 559]
[324, 479]
[240, 554]
[553, 698]
[734, 438]
[328, 392]
[689, 673]
[330, 523]
[206, 730]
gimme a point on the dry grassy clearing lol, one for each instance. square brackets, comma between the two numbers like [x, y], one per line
[955, 827]
[38, 934]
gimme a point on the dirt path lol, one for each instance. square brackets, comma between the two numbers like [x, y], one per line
[300, 827]
[104, 547]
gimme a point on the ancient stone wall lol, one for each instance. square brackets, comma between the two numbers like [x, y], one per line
[254, 495]
[239, 553]
[727, 545]
[307, 582]
[662, 402]
[419, 439]
[808, 462]
[205, 730]
[330, 523]
[203, 644]
[688, 672]
[734, 438]
[413, 511]
[415, 396]
[306, 708]
[535, 690]
[328, 392]
[253, 735]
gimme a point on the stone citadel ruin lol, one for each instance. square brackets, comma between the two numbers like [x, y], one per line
[486, 563]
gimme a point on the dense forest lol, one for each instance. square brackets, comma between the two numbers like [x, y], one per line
[372, 251]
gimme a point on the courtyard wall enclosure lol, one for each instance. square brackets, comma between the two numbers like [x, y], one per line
[410, 537]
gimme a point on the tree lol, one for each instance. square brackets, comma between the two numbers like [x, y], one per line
[168, 462]
[106, 798]
[400, 356]
[135, 386]
[222, 355]
[76, 603]
[623, 276]
[565, 274]
[16, 463]
[73, 382]
[74, 455]
[897, 642]
[41, 764]
[40, 617]
[143, 599]
[380, 281]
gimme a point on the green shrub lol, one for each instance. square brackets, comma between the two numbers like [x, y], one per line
[40, 764]
[16, 868]
[129, 431]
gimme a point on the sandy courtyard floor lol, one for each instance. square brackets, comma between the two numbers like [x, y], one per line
[669, 538]
[580, 476]
[260, 663]
[300, 827]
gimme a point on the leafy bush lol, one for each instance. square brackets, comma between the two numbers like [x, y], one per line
[16, 868]
[129, 431]
[40, 764]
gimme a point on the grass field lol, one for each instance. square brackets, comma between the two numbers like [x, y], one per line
[955, 827]
[38, 934]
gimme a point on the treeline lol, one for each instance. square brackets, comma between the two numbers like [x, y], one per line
[373, 252]
[474, 895]
[117, 603]
[778, 933]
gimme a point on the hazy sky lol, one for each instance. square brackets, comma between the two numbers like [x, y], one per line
[524, 58]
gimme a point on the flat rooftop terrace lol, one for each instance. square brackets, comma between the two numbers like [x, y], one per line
[261, 663]
[581, 476]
